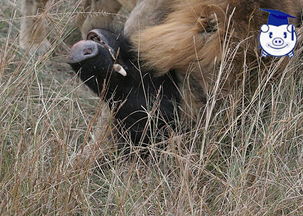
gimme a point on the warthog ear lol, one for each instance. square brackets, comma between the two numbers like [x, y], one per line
[264, 28]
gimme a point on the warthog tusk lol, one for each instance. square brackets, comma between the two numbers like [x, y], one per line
[118, 68]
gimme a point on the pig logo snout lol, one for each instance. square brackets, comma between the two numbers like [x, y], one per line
[278, 42]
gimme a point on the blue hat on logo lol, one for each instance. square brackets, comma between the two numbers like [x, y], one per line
[277, 18]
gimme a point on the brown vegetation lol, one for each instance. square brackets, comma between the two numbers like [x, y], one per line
[245, 160]
[93, 14]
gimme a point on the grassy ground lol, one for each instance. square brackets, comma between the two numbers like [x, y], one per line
[247, 159]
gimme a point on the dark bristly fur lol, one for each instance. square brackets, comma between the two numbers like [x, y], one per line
[143, 104]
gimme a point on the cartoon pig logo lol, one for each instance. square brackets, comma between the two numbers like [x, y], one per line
[278, 38]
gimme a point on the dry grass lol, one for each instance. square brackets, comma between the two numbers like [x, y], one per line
[247, 159]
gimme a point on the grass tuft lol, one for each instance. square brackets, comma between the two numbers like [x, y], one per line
[246, 158]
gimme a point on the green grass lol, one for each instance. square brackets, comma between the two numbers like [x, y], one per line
[246, 160]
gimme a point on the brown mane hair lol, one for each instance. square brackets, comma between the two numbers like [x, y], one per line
[195, 35]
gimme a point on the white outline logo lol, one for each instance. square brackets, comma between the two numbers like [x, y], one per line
[277, 38]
